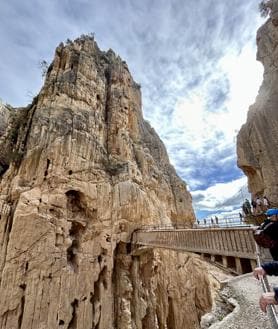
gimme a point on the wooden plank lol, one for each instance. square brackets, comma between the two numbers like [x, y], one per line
[233, 241]
[195, 238]
[211, 240]
[201, 241]
[190, 239]
[221, 240]
[224, 240]
[187, 239]
[229, 240]
[247, 239]
[204, 240]
[238, 243]
[243, 241]
[217, 243]
[250, 241]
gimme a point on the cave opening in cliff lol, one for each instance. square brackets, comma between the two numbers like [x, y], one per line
[3, 168]
[47, 167]
[74, 201]
[171, 316]
[72, 255]
[76, 229]
[73, 321]
[72, 251]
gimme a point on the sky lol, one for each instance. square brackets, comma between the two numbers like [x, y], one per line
[194, 59]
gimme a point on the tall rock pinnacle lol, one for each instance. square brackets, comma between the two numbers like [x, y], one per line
[80, 170]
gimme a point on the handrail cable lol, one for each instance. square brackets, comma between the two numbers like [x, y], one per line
[266, 288]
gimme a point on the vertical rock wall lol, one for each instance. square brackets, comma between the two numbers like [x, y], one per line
[257, 142]
[82, 170]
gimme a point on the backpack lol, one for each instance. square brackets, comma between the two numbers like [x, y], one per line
[263, 239]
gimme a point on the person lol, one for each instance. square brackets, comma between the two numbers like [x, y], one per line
[240, 217]
[211, 220]
[245, 211]
[248, 206]
[265, 203]
[258, 205]
[267, 298]
[272, 230]
[205, 221]
[254, 204]
[216, 220]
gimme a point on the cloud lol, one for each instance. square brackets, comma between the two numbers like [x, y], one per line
[221, 197]
[194, 59]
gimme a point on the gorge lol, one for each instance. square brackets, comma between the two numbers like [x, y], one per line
[80, 171]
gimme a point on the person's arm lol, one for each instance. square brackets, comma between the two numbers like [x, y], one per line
[270, 268]
[276, 294]
[259, 273]
[264, 223]
[268, 298]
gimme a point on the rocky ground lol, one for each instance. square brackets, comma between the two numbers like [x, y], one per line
[237, 306]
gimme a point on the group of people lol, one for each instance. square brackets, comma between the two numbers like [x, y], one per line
[211, 221]
[270, 268]
[256, 207]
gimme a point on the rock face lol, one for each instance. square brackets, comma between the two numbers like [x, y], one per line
[81, 170]
[257, 142]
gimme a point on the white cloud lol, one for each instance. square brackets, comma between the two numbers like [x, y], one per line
[197, 70]
[200, 121]
[215, 197]
[245, 76]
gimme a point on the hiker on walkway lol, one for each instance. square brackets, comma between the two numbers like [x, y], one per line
[254, 204]
[266, 203]
[259, 204]
[267, 298]
[271, 230]
[246, 207]
[270, 268]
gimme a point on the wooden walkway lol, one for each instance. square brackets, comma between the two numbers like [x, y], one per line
[228, 242]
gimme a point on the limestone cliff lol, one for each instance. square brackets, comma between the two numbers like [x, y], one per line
[257, 142]
[81, 169]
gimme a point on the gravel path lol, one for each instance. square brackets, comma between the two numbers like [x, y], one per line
[242, 309]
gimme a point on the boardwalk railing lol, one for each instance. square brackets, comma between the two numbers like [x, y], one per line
[230, 241]
[236, 242]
